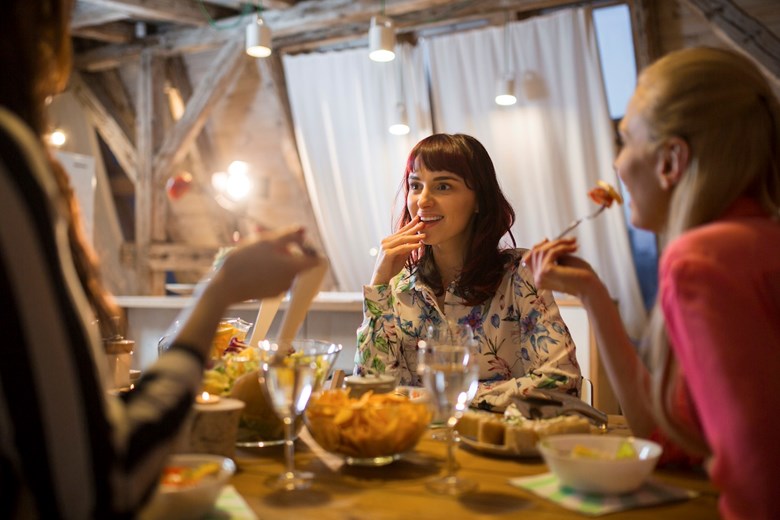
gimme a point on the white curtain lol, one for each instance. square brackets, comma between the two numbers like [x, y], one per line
[553, 145]
[342, 105]
[549, 149]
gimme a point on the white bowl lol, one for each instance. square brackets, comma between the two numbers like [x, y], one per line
[379, 384]
[599, 475]
[191, 501]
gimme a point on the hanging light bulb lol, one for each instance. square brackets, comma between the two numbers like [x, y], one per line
[381, 39]
[258, 38]
[57, 137]
[505, 93]
[401, 125]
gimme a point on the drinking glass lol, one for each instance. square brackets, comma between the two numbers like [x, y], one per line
[291, 372]
[450, 372]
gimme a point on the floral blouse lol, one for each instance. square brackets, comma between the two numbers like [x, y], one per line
[520, 333]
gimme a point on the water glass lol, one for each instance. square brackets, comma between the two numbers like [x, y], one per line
[450, 372]
[291, 372]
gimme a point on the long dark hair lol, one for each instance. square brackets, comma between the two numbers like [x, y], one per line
[35, 52]
[485, 262]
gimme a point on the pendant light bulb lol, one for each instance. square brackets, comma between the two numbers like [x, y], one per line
[381, 39]
[401, 124]
[258, 38]
[505, 93]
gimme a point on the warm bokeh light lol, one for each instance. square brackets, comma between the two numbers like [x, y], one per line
[58, 137]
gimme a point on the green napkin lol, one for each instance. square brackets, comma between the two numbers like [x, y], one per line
[651, 493]
[231, 505]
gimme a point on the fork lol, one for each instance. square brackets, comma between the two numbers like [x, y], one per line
[579, 221]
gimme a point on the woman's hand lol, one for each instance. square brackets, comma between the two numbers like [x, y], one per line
[395, 250]
[555, 269]
[264, 267]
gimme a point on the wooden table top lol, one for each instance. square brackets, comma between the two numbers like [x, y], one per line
[398, 490]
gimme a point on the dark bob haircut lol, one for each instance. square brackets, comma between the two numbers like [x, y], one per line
[485, 263]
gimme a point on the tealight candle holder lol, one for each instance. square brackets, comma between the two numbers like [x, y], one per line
[212, 426]
[207, 398]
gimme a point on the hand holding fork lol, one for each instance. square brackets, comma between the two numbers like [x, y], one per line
[603, 194]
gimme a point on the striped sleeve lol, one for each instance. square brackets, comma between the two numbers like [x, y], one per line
[67, 449]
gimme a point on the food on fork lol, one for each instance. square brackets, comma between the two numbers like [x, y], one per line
[605, 194]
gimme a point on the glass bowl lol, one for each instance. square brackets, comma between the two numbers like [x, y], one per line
[237, 374]
[374, 430]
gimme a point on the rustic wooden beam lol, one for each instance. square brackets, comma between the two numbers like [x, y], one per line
[239, 4]
[117, 32]
[275, 69]
[215, 83]
[149, 282]
[201, 156]
[644, 20]
[107, 127]
[312, 20]
[161, 10]
[741, 30]
[87, 15]
[109, 56]
[112, 92]
[178, 77]
[180, 257]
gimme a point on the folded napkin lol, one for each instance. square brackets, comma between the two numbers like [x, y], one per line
[651, 493]
[231, 505]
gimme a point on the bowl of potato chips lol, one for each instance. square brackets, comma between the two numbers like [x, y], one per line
[373, 430]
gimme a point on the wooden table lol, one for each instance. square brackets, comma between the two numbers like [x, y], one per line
[398, 490]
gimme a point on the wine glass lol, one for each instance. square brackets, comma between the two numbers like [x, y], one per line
[291, 372]
[450, 372]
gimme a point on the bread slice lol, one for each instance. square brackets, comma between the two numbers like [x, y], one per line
[491, 431]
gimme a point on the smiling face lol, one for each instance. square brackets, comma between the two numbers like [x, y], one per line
[640, 165]
[446, 205]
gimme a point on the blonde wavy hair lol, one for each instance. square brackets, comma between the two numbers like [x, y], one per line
[721, 104]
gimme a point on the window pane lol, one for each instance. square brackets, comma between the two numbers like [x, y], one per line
[616, 49]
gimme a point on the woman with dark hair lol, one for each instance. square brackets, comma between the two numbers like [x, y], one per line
[445, 264]
[68, 449]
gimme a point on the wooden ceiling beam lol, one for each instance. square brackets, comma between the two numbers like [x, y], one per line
[116, 32]
[88, 15]
[644, 19]
[741, 30]
[239, 4]
[310, 20]
[215, 83]
[160, 10]
[107, 127]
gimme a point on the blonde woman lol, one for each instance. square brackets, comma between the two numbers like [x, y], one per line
[701, 161]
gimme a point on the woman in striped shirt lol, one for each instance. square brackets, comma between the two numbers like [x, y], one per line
[67, 449]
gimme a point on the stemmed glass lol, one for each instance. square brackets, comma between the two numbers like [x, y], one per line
[291, 372]
[450, 372]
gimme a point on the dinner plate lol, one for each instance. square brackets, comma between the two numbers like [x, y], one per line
[180, 289]
[498, 450]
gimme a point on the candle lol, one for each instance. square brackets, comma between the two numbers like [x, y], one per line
[207, 398]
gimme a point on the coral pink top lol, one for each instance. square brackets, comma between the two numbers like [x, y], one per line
[720, 294]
